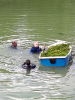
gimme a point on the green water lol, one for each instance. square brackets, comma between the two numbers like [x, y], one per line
[27, 21]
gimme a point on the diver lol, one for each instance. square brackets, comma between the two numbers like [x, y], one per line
[14, 45]
[28, 65]
[35, 48]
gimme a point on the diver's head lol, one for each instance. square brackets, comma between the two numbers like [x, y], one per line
[14, 43]
[36, 44]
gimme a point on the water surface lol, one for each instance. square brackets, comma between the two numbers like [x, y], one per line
[45, 21]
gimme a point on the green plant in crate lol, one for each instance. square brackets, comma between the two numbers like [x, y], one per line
[58, 50]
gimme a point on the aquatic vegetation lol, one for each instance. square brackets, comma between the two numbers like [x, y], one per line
[58, 50]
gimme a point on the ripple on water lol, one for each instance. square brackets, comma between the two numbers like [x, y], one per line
[41, 83]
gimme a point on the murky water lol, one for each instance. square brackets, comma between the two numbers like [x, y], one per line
[45, 21]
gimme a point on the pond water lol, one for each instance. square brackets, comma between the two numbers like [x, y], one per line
[27, 21]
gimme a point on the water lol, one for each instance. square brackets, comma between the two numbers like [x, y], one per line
[45, 21]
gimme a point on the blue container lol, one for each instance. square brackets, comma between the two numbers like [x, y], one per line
[56, 61]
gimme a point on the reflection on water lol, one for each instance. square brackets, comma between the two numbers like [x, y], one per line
[57, 70]
[27, 21]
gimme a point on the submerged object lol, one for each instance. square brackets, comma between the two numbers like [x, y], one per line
[58, 57]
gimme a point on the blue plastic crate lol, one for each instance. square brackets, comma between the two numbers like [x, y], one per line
[55, 61]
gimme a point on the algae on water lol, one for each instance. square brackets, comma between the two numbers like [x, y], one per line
[58, 50]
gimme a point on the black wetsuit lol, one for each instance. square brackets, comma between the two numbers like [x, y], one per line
[31, 66]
